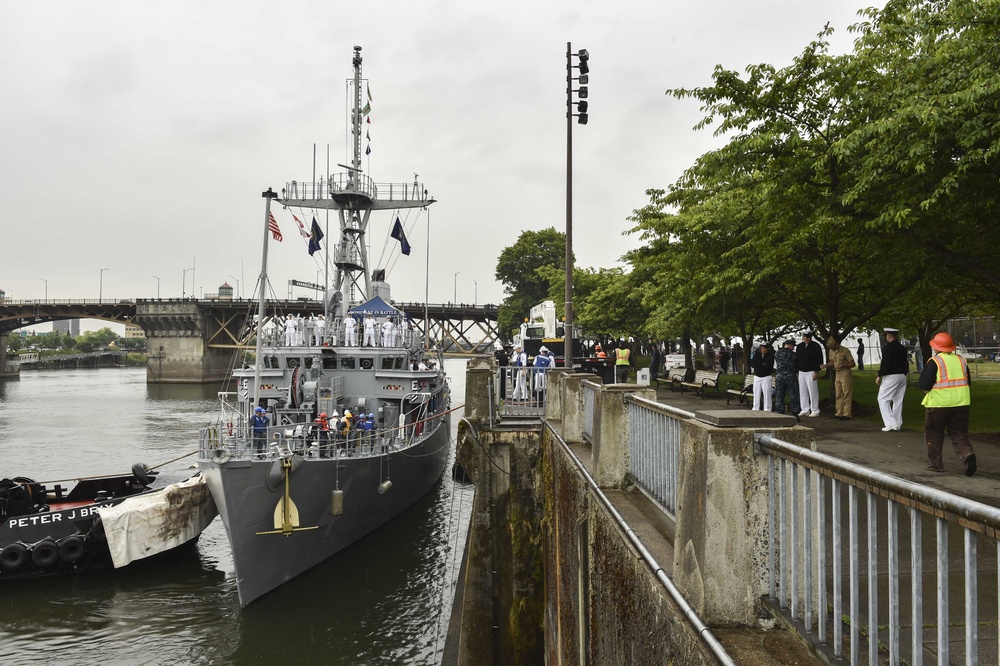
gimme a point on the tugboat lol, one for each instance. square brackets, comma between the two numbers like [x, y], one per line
[101, 522]
[333, 433]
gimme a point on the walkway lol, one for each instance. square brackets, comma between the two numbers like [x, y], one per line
[903, 453]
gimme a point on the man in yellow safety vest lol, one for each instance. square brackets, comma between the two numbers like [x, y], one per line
[945, 381]
[622, 362]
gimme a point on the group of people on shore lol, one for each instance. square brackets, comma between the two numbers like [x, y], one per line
[944, 379]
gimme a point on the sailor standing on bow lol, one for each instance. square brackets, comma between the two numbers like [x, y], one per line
[369, 339]
[289, 331]
[350, 331]
[386, 328]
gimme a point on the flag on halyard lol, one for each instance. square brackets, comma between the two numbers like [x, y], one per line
[368, 109]
[272, 224]
[397, 233]
[369, 89]
[302, 227]
[368, 150]
[315, 238]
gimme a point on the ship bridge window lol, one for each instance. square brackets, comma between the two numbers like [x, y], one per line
[330, 361]
[347, 362]
[367, 363]
[292, 362]
[390, 362]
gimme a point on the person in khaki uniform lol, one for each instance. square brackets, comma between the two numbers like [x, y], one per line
[840, 359]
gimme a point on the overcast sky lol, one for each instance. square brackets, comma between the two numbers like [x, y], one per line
[138, 136]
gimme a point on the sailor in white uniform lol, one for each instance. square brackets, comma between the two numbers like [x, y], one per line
[369, 339]
[520, 363]
[289, 331]
[350, 331]
[320, 330]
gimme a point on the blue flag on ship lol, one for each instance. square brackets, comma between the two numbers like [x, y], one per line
[397, 233]
[314, 238]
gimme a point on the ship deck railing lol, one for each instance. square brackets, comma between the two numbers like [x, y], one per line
[347, 183]
[308, 441]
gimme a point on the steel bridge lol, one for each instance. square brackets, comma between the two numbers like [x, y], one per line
[459, 328]
[206, 332]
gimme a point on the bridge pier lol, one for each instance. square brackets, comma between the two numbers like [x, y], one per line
[8, 369]
[177, 347]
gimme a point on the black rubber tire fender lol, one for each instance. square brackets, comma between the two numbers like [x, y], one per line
[45, 553]
[71, 549]
[141, 474]
[13, 557]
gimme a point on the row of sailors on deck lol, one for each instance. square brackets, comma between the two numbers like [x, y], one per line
[311, 331]
[350, 432]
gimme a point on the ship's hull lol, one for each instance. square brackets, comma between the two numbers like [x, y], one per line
[250, 498]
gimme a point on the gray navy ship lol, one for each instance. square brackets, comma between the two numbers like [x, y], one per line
[341, 422]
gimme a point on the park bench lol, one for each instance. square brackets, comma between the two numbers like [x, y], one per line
[674, 378]
[704, 380]
[742, 393]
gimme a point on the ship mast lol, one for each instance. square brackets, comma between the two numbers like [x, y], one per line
[261, 300]
[354, 195]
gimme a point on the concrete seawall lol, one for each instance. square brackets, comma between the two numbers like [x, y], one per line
[566, 560]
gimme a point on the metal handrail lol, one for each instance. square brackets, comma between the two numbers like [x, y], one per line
[701, 629]
[654, 449]
[805, 491]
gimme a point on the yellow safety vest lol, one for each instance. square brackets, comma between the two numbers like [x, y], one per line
[952, 386]
[622, 360]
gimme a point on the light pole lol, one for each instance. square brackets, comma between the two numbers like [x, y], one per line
[46, 287]
[475, 293]
[100, 291]
[237, 286]
[157, 287]
[456, 288]
[581, 117]
[184, 275]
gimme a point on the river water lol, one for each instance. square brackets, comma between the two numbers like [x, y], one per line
[384, 600]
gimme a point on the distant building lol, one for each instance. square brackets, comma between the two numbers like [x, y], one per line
[226, 291]
[133, 331]
[3, 295]
[69, 326]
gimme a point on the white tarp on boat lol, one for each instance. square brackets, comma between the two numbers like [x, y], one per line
[145, 525]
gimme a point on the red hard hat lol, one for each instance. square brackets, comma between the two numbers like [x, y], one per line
[942, 342]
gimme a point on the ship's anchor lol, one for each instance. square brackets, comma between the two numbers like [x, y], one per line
[286, 514]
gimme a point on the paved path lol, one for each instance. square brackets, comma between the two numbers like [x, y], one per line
[901, 453]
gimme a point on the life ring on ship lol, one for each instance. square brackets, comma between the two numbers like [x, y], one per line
[141, 474]
[45, 553]
[71, 549]
[13, 556]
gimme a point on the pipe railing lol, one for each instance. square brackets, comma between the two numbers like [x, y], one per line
[654, 449]
[806, 497]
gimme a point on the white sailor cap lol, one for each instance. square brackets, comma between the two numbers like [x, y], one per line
[891, 330]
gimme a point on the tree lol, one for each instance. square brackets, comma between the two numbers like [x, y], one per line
[926, 152]
[518, 270]
[770, 202]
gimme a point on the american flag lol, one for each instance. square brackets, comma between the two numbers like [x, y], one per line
[272, 224]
